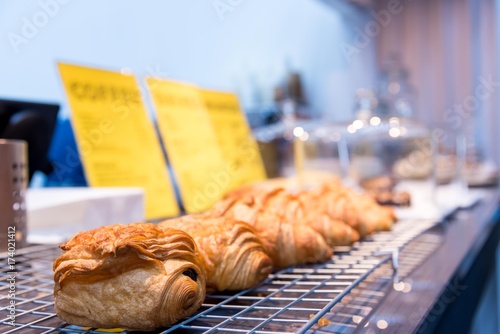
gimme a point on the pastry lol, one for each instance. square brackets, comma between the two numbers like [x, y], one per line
[358, 210]
[286, 243]
[136, 276]
[298, 211]
[330, 199]
[234, 257]
[382, 190]
[295, 208]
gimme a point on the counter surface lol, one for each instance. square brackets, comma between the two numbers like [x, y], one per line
[445, 288]
[441, 271]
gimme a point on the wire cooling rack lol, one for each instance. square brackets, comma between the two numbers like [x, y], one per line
[333, 297]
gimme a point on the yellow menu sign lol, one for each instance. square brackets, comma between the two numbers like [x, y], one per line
[191, 143]
[116, 140]
[234, 137]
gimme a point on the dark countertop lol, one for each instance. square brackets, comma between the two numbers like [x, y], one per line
[446, 287]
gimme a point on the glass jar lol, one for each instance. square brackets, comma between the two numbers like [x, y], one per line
[307, 151]
[395, 147]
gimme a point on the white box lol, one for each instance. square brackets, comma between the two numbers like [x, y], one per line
[55, 214]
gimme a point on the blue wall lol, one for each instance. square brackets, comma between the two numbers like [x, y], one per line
[246, 48]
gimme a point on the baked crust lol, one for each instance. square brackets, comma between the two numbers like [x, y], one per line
[234, 255]
[285, 242]
[324, 207]
[135, 276]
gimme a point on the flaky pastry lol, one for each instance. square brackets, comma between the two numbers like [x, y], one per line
[234, 257]
[136, 276]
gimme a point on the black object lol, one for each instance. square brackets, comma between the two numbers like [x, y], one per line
[33, 122]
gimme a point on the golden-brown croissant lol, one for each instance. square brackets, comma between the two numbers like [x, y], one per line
[136, 276]
[335, 232]
[292, 244]
[296, 209]
[293, 208]
[234, 256]
[330, 198]
[337, 204]
[286, 243]
[359, 210]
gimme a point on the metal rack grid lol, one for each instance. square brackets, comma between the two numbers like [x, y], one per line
[353, 312]
[333, 297]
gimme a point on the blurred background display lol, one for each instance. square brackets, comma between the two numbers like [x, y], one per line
[432, 61]
[399, 99]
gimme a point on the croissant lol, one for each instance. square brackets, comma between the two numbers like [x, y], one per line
[234, 257]
[335, 232]
[136, 276]
[290, 244]
[338, 205]
[359, 210]
[329, 198]
[287, 244]
[294, 209]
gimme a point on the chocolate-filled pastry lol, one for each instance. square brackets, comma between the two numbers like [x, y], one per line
[136, 276]
[234, 256]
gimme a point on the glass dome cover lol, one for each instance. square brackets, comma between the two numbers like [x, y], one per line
[385, 139]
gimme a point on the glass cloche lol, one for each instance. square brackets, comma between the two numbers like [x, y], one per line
[388, 147]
